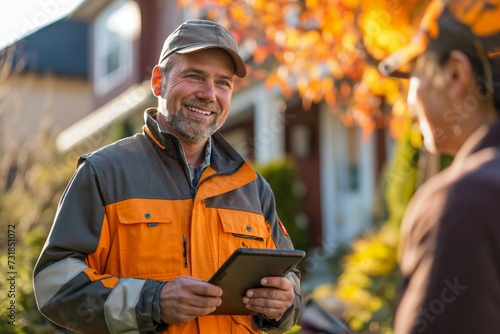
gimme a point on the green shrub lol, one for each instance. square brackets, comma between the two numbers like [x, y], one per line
[33, 179]
[282, 177]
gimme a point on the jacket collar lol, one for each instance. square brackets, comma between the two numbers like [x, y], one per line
[224, 158]
[486, 136]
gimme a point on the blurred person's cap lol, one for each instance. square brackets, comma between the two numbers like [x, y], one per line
[472, 26]
[197, 35]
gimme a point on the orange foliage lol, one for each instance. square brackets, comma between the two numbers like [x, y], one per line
[326, 50]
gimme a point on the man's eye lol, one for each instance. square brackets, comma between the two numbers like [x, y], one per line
[225, 83]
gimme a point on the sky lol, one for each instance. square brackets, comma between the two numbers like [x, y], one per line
[19, 18]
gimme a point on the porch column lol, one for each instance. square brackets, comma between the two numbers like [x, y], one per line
[269, 126]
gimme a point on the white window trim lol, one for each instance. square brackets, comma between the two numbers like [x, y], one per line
[105, 83]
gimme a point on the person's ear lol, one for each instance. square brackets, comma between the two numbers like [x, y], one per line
[156, 80]
[459, 74]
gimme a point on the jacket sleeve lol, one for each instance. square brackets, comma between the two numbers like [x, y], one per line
[281, 240]
[68, 290]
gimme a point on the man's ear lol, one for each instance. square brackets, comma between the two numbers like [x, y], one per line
[156, 80]
[460, 74]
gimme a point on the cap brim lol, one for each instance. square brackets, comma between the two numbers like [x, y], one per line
[240, 69]
[399, 64]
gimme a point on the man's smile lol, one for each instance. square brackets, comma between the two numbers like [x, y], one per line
[199, 111]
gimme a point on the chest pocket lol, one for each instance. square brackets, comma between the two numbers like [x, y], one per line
[150, 242]
[241, 229]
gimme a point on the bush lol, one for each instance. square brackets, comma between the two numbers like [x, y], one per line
[282, 177]
[33, 179]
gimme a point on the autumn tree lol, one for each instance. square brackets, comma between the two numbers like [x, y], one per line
[325, 50]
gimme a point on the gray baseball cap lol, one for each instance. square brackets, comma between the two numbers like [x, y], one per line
[196, 35]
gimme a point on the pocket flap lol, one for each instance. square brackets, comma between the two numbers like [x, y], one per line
[141, 212]
[244, 223]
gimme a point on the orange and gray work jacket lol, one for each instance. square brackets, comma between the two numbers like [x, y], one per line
[128, 222]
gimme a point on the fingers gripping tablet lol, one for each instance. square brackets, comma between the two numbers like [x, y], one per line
[245, 268]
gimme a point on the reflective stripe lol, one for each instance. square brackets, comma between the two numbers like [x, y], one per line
[119, 308]
[53, 278]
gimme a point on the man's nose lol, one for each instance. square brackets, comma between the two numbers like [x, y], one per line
[206, 91]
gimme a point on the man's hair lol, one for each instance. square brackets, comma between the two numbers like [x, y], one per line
[486, 69]
[488, 87]
[167, 64]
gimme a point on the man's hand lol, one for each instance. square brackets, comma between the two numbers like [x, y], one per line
[273, 299]
[185, 298]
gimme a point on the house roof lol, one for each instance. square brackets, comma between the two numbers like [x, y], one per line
[137, 97]
[60, 48]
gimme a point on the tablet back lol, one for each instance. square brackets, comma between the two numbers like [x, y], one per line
[244, 269]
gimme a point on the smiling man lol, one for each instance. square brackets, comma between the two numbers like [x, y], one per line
[146, 221]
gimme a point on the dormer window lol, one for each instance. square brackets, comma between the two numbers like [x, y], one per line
[115, 30]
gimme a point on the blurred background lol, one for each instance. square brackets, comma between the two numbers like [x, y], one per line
[333, 138]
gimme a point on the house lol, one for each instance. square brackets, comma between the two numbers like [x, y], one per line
[337, 168]
[45, 82]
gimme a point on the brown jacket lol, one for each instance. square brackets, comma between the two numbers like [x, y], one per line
[451, 245]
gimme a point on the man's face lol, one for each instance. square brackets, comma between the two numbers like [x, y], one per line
[196, 93]
[427, 99]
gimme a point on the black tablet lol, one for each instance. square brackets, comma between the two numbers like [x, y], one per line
[245, 268]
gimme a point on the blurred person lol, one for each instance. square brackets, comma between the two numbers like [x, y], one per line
[450, 249]
[146, 221]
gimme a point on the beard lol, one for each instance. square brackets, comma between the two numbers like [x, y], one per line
[192, 129]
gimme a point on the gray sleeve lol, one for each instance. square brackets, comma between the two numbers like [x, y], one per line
[70, 293]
